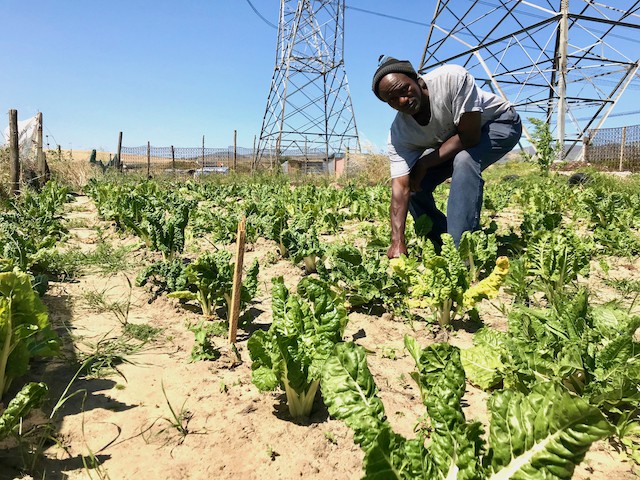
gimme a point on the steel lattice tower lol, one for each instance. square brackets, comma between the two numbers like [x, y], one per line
[567, 63]
[309, 110]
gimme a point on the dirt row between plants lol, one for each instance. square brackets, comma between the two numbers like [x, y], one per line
[164, 417]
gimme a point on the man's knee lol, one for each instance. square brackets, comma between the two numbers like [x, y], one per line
[464, 161]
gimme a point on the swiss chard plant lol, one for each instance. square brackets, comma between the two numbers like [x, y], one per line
[31, 224]
[306, 326]
[163, 229]
[480, 250]
[543, 434]
[593, 351]
[158, 217]
[304, 245]
[164, 276]
[442, 283]
[25, 331]
[556, 259]
[363, 276]
[29, 397]
[209, 281]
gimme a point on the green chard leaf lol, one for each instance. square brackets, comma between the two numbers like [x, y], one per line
[24, 327]
[31, 396]
[543, 435]
[305, 327]
[350, 393]
[482, 366]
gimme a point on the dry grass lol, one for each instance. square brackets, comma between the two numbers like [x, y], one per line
[72, 169]
[69, 171]
[372, 169]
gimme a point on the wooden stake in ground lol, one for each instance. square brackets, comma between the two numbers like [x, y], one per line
[14, 155]
[118, 164]
[237, 280]
[43, 168]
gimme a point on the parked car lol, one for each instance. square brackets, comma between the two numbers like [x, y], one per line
[210, 170]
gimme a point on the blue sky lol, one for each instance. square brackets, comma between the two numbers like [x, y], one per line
[170, 72]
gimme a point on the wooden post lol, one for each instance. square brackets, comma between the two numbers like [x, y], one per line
[254, 157]
[237, 281]
[346, 160]
[235, 150]
[43, 171]
[59, 152]
[173, 160]
[623, 141]
[148, 160]
[119, 158]
[14, 155]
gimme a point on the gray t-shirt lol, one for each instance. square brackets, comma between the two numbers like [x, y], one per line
[452, 92]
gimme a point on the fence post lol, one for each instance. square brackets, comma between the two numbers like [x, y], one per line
[203, 154]
[118, 157]
[173, 160]
[14, 156]
[235, 151]
[623, 141]
[43, 170]
[148, 160]
[254, 155]
[346, 162]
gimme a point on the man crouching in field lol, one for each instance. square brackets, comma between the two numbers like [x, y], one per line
[446, 127]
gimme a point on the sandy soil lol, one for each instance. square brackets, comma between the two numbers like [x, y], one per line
[122, 427]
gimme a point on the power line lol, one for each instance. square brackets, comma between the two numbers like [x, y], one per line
[387, 16]
[619, 114]
[260, 15]
[487, 3]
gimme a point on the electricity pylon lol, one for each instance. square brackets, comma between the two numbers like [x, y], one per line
[309, 110]
[567, 63]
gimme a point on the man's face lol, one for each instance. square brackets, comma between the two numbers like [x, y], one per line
[401, 92]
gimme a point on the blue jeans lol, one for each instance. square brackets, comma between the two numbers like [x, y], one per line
[497, 139]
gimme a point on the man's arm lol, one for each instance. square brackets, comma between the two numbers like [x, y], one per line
[399, 207]
[468, 135]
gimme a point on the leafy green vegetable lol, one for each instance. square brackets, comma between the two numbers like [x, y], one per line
[164, 276]
[30, 396]
[363, 276]
[555, 259]
[204, 348]
[292, 353]
[591, 351]
[32, 223]
[540, 435]
[303, 244]
[165, 229]
[158, 217]
[442, 282]
[24, 327]
[210, 281]
[480, 250]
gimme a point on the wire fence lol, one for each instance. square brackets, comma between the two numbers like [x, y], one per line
[195, 161]
[153, 160]
[614, 148]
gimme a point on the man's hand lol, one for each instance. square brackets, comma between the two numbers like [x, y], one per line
[419, 170]
[397, 248]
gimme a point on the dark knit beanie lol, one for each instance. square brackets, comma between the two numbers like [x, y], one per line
[387, 65]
